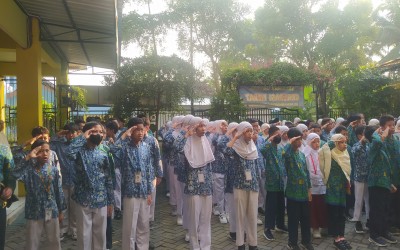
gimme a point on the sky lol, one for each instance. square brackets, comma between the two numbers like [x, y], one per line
[170, 46]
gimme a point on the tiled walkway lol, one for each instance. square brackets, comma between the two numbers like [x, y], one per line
[166, 235]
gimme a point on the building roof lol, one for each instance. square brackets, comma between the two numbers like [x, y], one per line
[80, 32]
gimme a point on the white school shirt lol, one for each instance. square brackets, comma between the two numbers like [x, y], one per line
[317, 183]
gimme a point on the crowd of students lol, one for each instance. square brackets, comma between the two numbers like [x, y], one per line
[318, 173]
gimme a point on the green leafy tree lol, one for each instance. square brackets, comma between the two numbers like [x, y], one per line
[381, 97]
[151, 83]
[387, 17]
[206, 26]
[317, 35]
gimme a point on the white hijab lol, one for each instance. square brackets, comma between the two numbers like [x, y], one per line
[218, 124]
[308, 150]
[197, 149]
[231, 126]
[176, 120]
[243, 149]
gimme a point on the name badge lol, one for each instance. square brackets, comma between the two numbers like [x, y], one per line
[48, 214]
[201, 177]
[138, 177]
[247, 174]
[301, 181]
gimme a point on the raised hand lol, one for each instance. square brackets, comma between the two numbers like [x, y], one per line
[294, 139]
[34, 153]
[128, 132]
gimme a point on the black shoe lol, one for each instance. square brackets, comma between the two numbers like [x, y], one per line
[307, 246]
[378, 241]
[283, 229]
[232, 236]
[347, 244]
[359, 228]
[268, 235]
[293, 246]
[253, 247]
[367, 225]
[261, 211]
[340, 245]
[242, 247]
[117, 215]
[388, 237]
[394, 231]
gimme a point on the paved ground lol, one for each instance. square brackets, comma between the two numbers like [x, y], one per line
[166, 235]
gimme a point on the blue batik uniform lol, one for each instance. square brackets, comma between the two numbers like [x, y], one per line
[93, 182]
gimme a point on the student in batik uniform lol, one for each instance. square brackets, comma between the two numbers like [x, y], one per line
[155, 165]
[354, 121]
[336, 169]
[304, 130]
[198, 186]
[381, 183]
[298, 191]
[360, 151]
[229, 178]
[246, 188]
[318, 188]
[6, 166]
[326, 126]
[93, 192]
[165, 155]
[393, 146]
[60, 144]
[175, 199]
[111, 137]
[259, 141]
[218, 169]
[136, 171]
[44, 196]
[274, 184]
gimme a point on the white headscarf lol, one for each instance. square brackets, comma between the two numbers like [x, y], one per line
[302, 127]
[243, 149]
[264, 126]
[339, 120]
[373, 122]
[308, 150]
[283, 129]
[197, 149]
[231, 126]
[319, 121]
[176, 120]
[218, 124]
[296, 120]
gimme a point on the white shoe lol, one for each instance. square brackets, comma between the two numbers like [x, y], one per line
[227, 217]
[167, 194]
[216, 212]
[179, 221]
[317, 233]
[222, 219]
[74, 236]
[187, 239]
[259, 222]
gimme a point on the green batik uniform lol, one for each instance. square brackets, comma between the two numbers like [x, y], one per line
[298, 177]
[336, 186]
[380, 174]
[352, 136]
[274, 167]
[393, 147]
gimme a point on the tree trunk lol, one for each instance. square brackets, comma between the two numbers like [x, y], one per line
[153, 36]
[191, 55]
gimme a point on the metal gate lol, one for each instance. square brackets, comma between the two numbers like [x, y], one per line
[49, 106]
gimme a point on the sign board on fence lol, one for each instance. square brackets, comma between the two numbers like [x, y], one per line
[277, 96]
